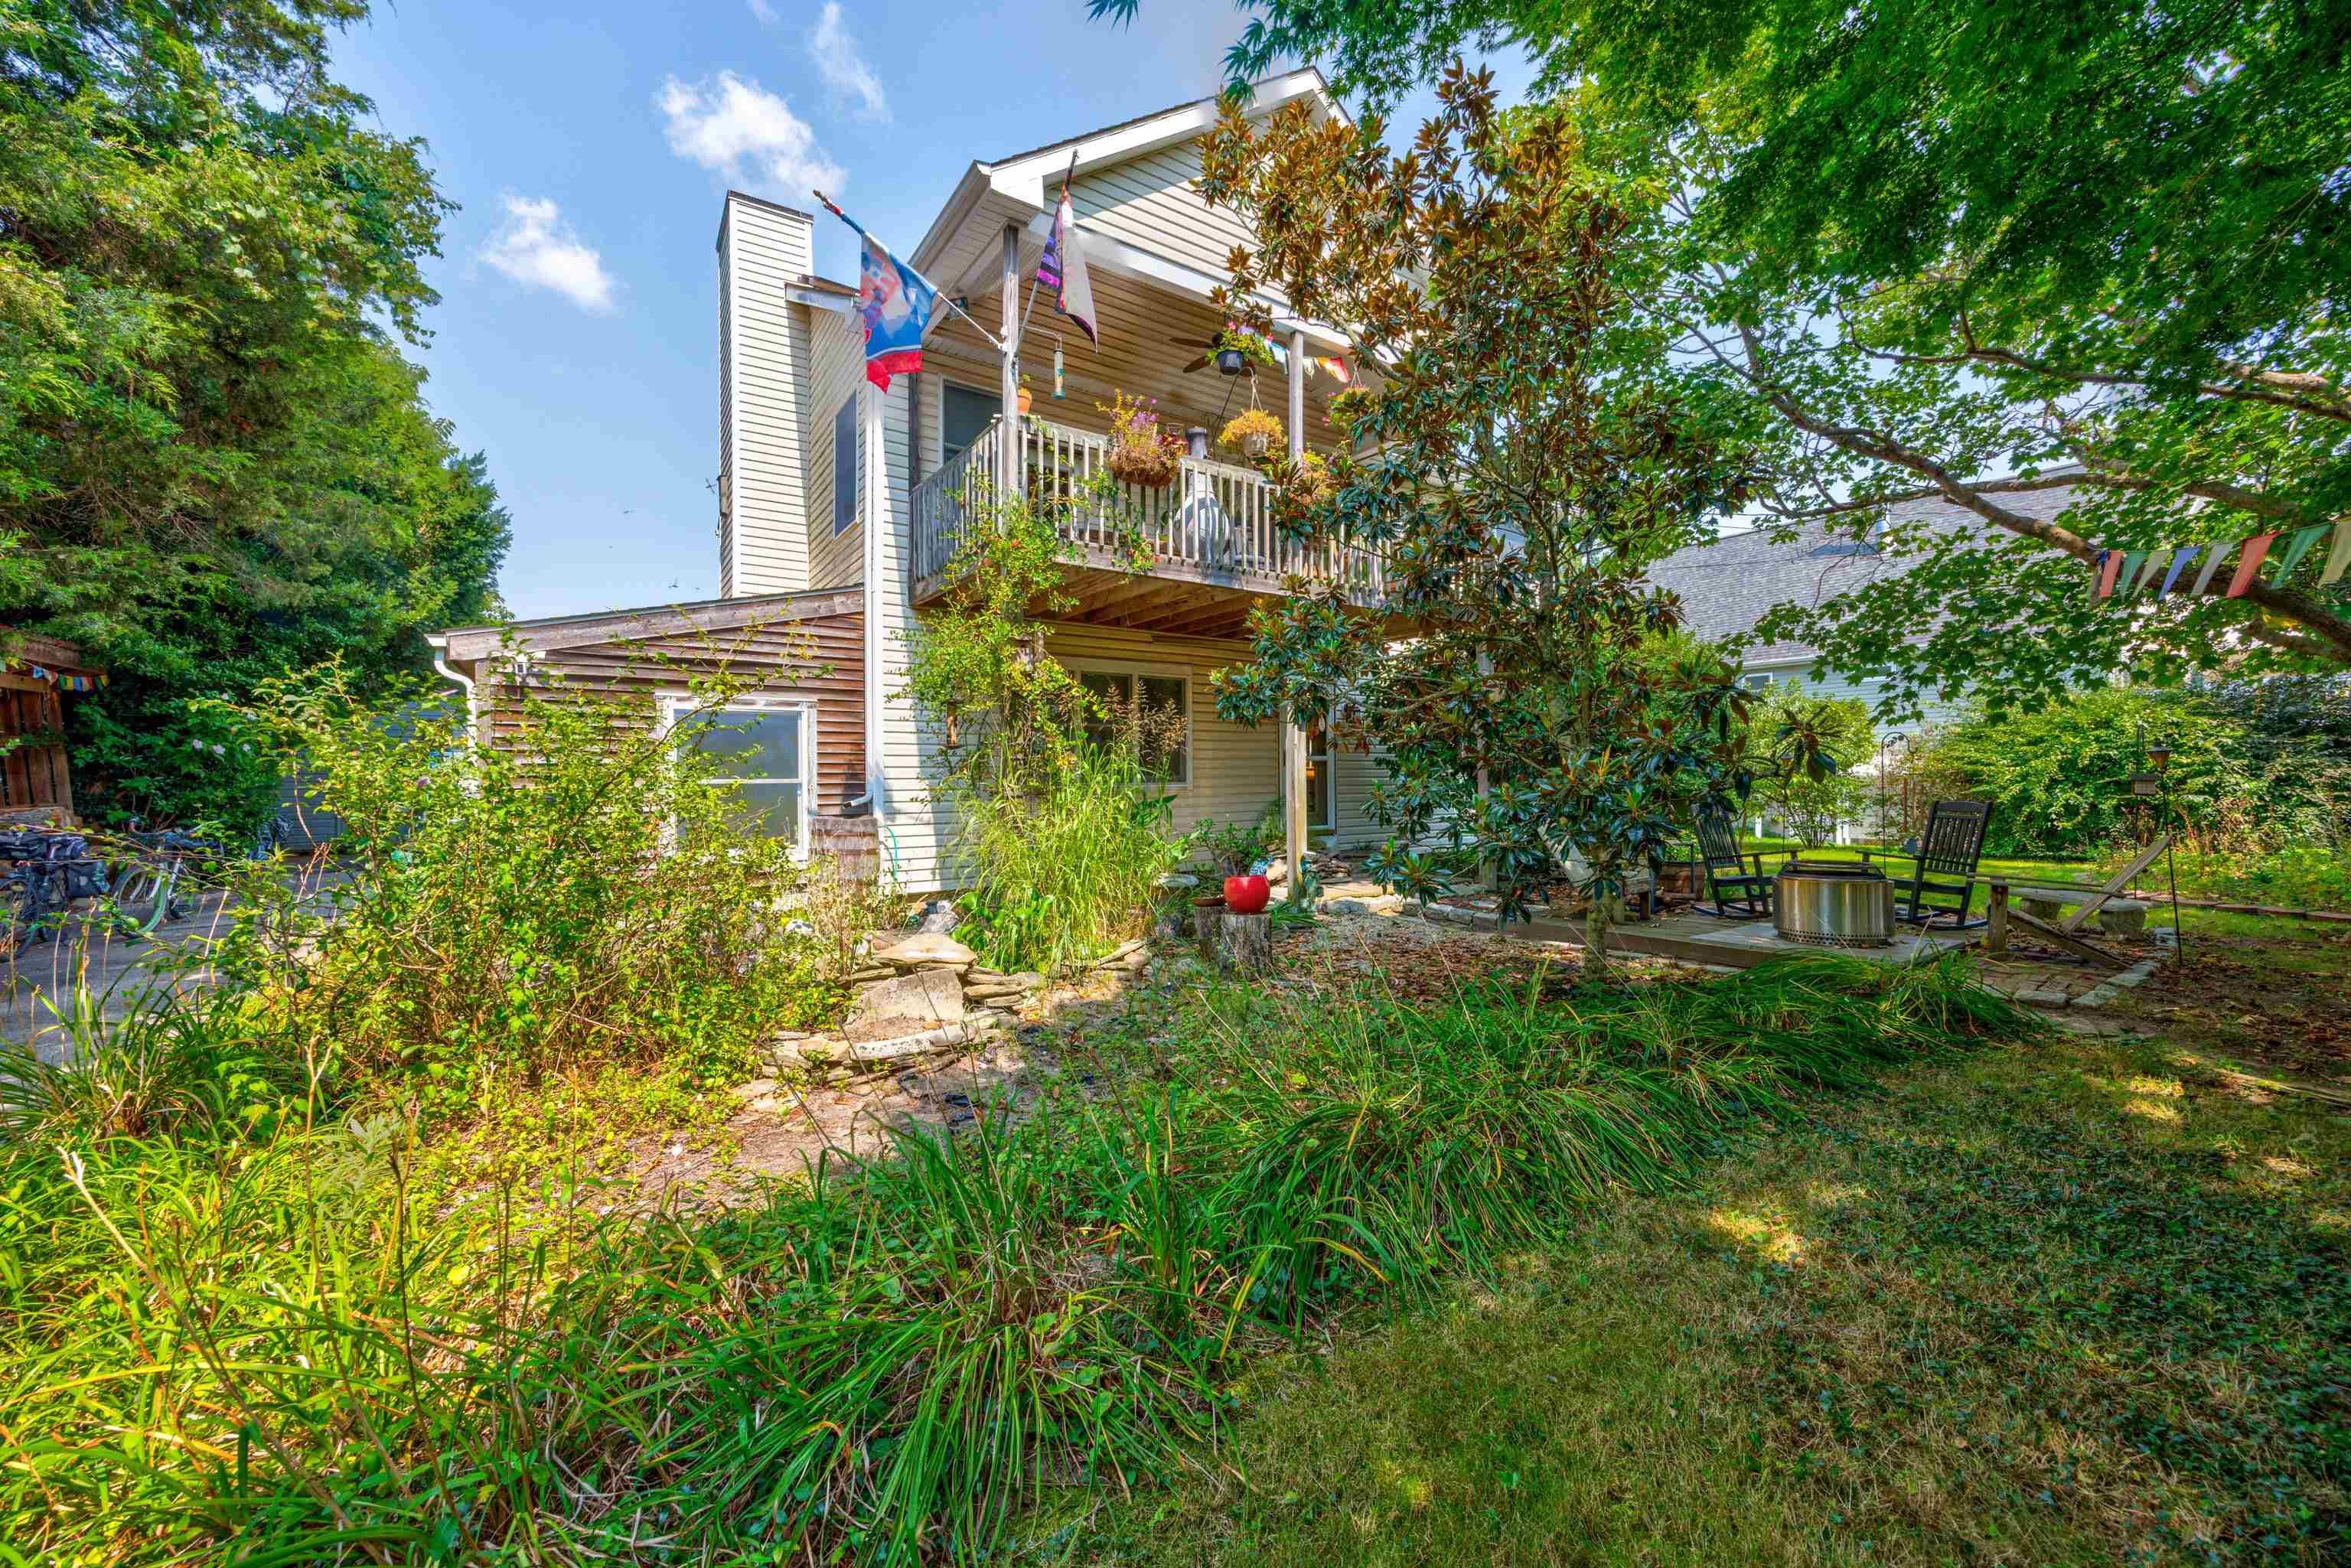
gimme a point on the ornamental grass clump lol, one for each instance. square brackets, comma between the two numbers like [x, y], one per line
[256, 1338]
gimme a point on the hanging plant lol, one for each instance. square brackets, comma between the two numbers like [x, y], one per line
[1141, 452]
[1252, 430]
[1237, 348]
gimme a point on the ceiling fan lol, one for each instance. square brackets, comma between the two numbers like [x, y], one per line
[1209, 352]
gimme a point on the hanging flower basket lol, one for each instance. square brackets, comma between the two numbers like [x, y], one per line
[1141, 452]
[1253, 431]
[1150, 465]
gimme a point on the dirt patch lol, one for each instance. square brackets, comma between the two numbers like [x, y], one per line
[2280, 1003]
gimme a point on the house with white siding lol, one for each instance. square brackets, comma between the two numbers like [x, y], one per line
[840, 504]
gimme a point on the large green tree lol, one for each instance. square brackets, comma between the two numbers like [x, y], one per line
[214, 461]
[1973, 252]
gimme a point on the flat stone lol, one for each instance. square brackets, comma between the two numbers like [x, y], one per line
[926, 950]
[810, 1052]
[1174, 881]
[1385, 903]
[757, 1089]
[939, 917]
[925, 996]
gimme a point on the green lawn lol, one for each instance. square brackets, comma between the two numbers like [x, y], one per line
[2054, 1304]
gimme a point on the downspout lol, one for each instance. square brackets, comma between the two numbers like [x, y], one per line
[440, 646]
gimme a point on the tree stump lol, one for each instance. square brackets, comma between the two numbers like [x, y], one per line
[1245, 942]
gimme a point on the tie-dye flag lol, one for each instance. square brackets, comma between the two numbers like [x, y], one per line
[895, 302]
[1062, 270]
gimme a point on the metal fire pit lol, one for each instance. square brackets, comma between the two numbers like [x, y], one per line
[1834, 903]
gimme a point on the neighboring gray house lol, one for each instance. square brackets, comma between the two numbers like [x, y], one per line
[1727, 586]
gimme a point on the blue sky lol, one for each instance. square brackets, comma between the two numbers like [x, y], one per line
[576, 337]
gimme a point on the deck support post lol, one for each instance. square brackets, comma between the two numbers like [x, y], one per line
[1008, 477]
[1293, 739]
[1996, 918]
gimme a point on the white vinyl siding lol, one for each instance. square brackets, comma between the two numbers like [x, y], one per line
[764, 370]
[1151, 203]
[837, 375]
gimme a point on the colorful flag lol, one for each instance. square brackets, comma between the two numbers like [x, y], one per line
[2146, 573]
[2180, 559]
[1336, 369]
[2098, 574]
[2250, 562]
[1062, 270]
[2295, 549]
[2339, 555]
[895, 302]
[2127, 581]
[2109, 573]
[2211, 564]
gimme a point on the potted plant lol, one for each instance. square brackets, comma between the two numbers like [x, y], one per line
[1141, 452]
[1238, 348]
[1024, 399]
[1251, 431]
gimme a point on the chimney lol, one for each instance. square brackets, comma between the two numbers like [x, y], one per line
[764, 250]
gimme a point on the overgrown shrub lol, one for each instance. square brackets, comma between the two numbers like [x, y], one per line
[2059, 779]
[578, 895]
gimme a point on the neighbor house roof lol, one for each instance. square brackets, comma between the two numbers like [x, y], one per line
[465, 645]
[1728, 585]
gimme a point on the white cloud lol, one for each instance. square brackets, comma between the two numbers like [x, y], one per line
[745, 134]
[536, 248]
[843, 68]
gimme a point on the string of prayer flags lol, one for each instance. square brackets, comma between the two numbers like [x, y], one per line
[2250, 562]
[2110, 566]
[2339, 556]
[2155, 559]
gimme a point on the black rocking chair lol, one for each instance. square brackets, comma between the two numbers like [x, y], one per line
[1944, 866]
[1728, 880]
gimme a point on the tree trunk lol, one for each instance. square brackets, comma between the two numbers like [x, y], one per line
[1244, 943]
[1599, 917]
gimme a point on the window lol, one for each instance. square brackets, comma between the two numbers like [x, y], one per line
[848, 465]
[1321, 783]
[1168, 750]
[767, 753]
[1760, 682]
[963, 415]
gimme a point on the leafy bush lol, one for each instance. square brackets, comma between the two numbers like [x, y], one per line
[1803, 750]
[2058, 778]
[2298, 876]
[278, 1341]
[578, 896]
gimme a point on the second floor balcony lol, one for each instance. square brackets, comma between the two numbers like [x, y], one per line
[1205, 546]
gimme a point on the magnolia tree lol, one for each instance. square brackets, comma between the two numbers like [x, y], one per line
[1515, 483]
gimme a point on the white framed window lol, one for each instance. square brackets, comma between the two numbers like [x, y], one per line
[848, 465]
[764, 750]
[1157, 689]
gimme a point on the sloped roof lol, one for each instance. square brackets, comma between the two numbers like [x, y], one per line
[1728, 585]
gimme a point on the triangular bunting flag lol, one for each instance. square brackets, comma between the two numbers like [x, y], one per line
[2127, 581]
[2250, 562]
[2180, 559]
[2339, 555]
[2098, 574]
[2211, 564]
[2147, 573]
[2108, 572]
[2295, 549]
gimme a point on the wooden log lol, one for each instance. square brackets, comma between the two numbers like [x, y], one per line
[1996, 918]
[2066, 941]
[1245, 942]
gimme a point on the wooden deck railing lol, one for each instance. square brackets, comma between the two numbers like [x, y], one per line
[1215, 524]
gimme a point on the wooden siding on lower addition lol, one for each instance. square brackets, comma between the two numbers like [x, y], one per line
[819, 658]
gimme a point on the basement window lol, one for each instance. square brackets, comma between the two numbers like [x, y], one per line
[1170, 759]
